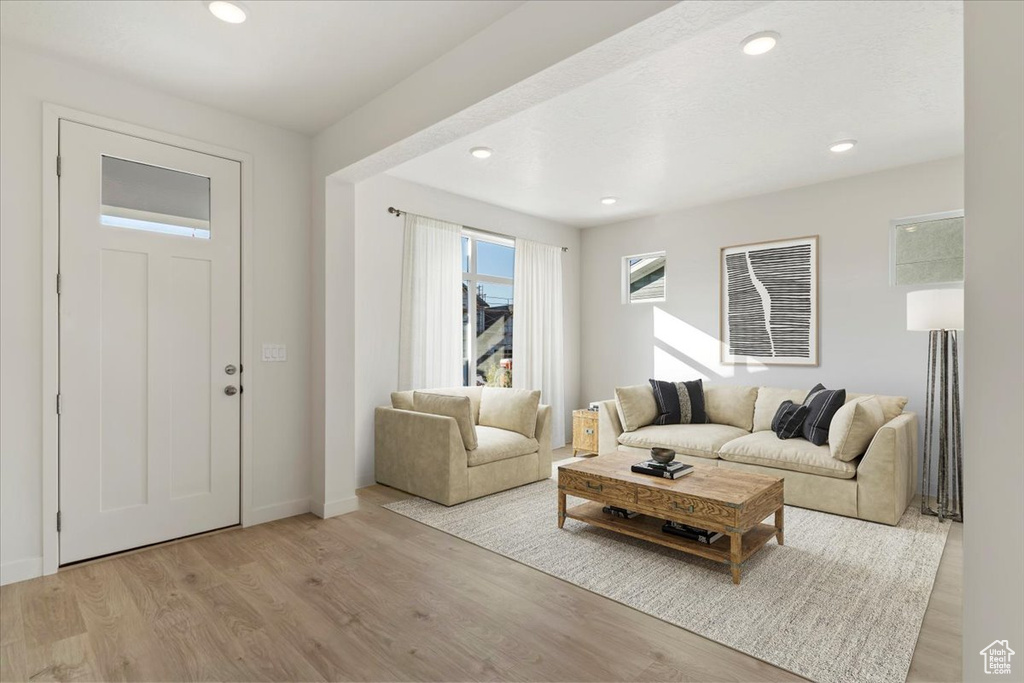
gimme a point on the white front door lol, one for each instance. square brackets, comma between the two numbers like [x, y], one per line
[149, 342]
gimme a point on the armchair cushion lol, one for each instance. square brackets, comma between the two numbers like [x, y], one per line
[499, 444]
[511, 409]
[457, 407]
[402, 400]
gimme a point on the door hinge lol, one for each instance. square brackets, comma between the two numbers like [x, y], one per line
[58, 284]
[58, 166]
[58, 404]
[58, 520]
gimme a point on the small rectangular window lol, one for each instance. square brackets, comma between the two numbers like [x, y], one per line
[153, 199]
[927, 249]
[643, 278]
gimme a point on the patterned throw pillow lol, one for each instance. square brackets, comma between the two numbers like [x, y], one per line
[789, 419]
[822, 404]
[679, 402]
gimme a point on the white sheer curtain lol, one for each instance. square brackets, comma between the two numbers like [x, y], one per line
[430, 337]
[537, 346]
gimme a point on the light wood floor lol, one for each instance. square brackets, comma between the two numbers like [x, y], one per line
[369, 596]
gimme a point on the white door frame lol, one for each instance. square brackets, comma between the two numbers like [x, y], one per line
[52, 114]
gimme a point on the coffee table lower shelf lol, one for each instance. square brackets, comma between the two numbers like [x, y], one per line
[649, 529]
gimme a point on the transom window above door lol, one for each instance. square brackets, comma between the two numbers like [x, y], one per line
[488, 265]
[139, 196]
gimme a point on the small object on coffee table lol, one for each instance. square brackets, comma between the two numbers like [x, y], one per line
[619, 512]
[663, 455]
[672, 470]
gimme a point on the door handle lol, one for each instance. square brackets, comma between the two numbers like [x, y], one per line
[231, 369]
[230, 390]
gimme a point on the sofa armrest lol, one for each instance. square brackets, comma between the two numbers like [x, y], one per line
[421, 454]
[609, 429]
[543, 435]
[887, 473]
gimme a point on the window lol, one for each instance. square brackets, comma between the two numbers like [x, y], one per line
[927, 249]
[488, 265]
[643, 278]
[153, 199]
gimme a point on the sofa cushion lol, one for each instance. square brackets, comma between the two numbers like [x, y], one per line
[702, 441]
[853, 426]
[730, 405]
[511, 409]
[767, 404]
[892, 406]
[499, 444]
[457, 407]
[636, 405]
[798, 455]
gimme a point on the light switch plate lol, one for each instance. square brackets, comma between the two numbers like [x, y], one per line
[275, 353]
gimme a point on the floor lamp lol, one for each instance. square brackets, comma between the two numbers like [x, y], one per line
[940, 312]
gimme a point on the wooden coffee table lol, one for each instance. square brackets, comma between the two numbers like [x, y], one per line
[715, 498]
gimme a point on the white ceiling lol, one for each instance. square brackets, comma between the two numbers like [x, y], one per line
[702, 122]
[297, 64]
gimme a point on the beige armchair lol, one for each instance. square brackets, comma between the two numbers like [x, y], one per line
[424, 453]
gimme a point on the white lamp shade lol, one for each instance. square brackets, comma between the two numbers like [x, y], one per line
[935, 309]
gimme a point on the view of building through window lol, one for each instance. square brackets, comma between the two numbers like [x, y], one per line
[488, 265]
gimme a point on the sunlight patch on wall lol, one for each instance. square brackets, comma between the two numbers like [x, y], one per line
[694, 353]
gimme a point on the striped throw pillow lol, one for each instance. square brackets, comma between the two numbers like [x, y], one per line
[679, 402]
[789, 419]
[823, 404]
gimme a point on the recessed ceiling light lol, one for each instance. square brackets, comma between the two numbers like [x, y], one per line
[481, 152]
[231, 12]
[759, 43]
[842, 146]
[608, 201]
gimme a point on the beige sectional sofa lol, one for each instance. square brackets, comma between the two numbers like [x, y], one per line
[497, 440]
[875, 486]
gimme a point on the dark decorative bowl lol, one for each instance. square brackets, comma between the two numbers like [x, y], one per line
[663, 455]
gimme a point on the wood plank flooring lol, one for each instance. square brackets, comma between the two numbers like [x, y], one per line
[369, 596]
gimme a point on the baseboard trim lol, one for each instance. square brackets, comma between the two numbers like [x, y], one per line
[21, 570]
[268, 513]
[334, 508]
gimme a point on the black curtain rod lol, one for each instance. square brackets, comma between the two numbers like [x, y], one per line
[399, 212]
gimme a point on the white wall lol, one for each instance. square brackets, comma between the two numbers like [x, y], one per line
[378, 277]
[281, 246]
[994, 308]
[863, 342]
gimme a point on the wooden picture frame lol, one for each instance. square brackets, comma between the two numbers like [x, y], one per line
[786, 269]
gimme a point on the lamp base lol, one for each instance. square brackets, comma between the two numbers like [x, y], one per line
[949, 489]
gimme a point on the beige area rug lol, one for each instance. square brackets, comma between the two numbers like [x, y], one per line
[842, 601]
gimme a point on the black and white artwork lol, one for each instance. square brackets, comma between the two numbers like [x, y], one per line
[770, 302]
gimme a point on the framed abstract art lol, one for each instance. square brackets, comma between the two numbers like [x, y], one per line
[769, 302]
